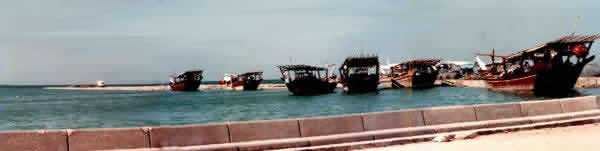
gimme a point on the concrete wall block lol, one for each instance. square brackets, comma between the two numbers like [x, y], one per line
[446, 115]
[105, 139]
[497, 111]
[579, 104]
[394, 119]
[330, 125]
[263, 130]
[189, 135]
[34, 140]
[535, 108]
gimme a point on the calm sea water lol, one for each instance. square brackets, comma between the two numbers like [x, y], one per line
[27, 108]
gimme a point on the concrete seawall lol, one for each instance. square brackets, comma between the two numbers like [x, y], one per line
[276, 134]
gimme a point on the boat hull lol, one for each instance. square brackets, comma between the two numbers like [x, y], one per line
[311, 87]
[549, 79]
[560, 78]
[246, 84]
[186, 86]
[361, 84]
[414, 80]
[522, 83]
[251, 85]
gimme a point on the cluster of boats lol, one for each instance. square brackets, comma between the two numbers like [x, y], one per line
[191, 80]
[547, 68]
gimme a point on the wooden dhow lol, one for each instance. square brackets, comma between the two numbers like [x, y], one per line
[360, 74]
[307, 79]
[551, 68]
[186, 81]
[415, 74]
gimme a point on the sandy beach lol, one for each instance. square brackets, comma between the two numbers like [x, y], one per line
[582, 137]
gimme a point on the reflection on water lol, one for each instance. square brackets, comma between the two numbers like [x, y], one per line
[37, 108]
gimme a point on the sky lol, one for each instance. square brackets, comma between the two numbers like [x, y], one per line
[135, 41]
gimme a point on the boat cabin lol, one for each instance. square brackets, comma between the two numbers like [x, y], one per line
[307, 80]
[251, 75]
[300, 72]
[419, 66]
[360, 74]
[415, 74]
[455, 70]
[192, 75]
[186, 81]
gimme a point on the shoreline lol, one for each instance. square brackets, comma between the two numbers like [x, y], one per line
[582, 82]
[163, 87]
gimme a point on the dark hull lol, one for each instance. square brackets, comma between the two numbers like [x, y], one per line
[360, 85]
[248, 84]
[560, 78]
[186, 86]
[310, 87]
[415, 81]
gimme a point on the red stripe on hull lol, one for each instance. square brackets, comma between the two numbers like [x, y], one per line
[524, 83]
[185, 86]
[178, 87]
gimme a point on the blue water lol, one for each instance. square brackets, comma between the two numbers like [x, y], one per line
[27, 108]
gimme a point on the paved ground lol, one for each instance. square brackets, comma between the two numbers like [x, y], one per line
[583, 137]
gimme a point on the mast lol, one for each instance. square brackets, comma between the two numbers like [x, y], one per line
[494, 62]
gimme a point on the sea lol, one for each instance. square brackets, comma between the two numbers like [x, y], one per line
[33, 107]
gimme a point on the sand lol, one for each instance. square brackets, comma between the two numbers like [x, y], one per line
[165, 87]
[583, 137]
[582, 82]
[466, 83]
[117, 88]
[588, 82]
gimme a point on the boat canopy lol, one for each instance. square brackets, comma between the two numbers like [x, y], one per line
[360, 61]
[421, 61]
[570, 39]
[252, 73]
[189, 72]
[300, 67]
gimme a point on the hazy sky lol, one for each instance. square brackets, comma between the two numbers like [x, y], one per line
[133, 41]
